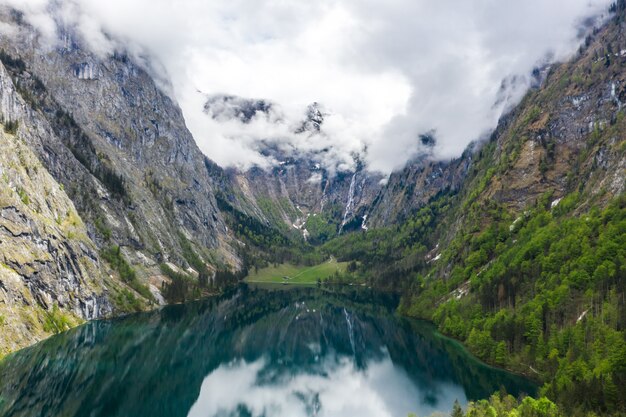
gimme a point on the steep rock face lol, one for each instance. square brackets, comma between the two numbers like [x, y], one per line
[413, 187]
[522, 248]
[47, 259]
[299, 184]
[96, 156]
[560, 154]
[289, 194]
[133, 170]
[568, 136]
[565, 136]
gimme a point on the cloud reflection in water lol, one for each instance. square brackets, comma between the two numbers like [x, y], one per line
[336, 387]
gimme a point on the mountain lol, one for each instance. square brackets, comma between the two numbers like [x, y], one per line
[47, 256]
[516, 248]
[300, 194]
[290, 195]
[521, 254]
[108, 175]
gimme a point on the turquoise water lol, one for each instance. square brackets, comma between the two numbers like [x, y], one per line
[251, 352]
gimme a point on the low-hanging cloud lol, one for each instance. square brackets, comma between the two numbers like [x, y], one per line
[384, 72]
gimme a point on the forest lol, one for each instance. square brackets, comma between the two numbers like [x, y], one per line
[502, 405]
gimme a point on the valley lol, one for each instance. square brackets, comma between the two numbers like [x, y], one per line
[299, 350]
[291, 274]
[119, 236]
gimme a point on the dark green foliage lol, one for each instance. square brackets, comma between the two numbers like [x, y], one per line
[503, 405]
[11, 63]
[159, 192]
[215, 171]
[618, 9]
[125, 300]
[56, 321]
[251, 229]
[194, 261]
[23, 195]
[114, 257]
[539, 290]
[387, 255]
[265, 244]
[181, 287]
[84, 151]
[321, 229]
[30, 87]
[457, 411]
[11, 127]
[531, 116]
[112, 181]
[102, 228]
[225, 279]
[546, 297]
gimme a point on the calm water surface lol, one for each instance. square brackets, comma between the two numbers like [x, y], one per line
[254, 353]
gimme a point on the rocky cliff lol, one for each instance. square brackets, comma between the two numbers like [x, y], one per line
[301, 183]
[129, 136]
[47, 259]
[98, 160]
[288, 196]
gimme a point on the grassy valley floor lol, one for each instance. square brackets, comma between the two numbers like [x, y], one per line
[297, 275]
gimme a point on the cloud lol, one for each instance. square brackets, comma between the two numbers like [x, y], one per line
[336, 389]
[385, 72]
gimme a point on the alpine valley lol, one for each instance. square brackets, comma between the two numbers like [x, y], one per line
[516, 249]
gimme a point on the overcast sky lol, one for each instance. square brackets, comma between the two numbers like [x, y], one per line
[384, 71]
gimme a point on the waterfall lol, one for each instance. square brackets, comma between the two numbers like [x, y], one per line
[87, 71]
[615, 97]
[324, 195]
[323, 328]
[350, 330]
[350, 205]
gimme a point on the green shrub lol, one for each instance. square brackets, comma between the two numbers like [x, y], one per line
[11, 127]
[102, 228]
[194, 261]
[23, 196]
[56, 321]
[181, 286]
[113, 256]
[126, 301]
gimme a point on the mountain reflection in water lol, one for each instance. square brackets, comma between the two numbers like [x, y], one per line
[252, 352]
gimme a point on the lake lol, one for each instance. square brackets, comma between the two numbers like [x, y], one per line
[251, 352]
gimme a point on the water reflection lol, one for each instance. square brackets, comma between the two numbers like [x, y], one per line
[337, 388]
[250, 353]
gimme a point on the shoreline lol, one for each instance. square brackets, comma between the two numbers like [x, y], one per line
[279, 286]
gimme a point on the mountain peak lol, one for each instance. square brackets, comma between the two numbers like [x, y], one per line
[223, 107]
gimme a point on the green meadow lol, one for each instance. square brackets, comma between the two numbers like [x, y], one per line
[292, 274]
